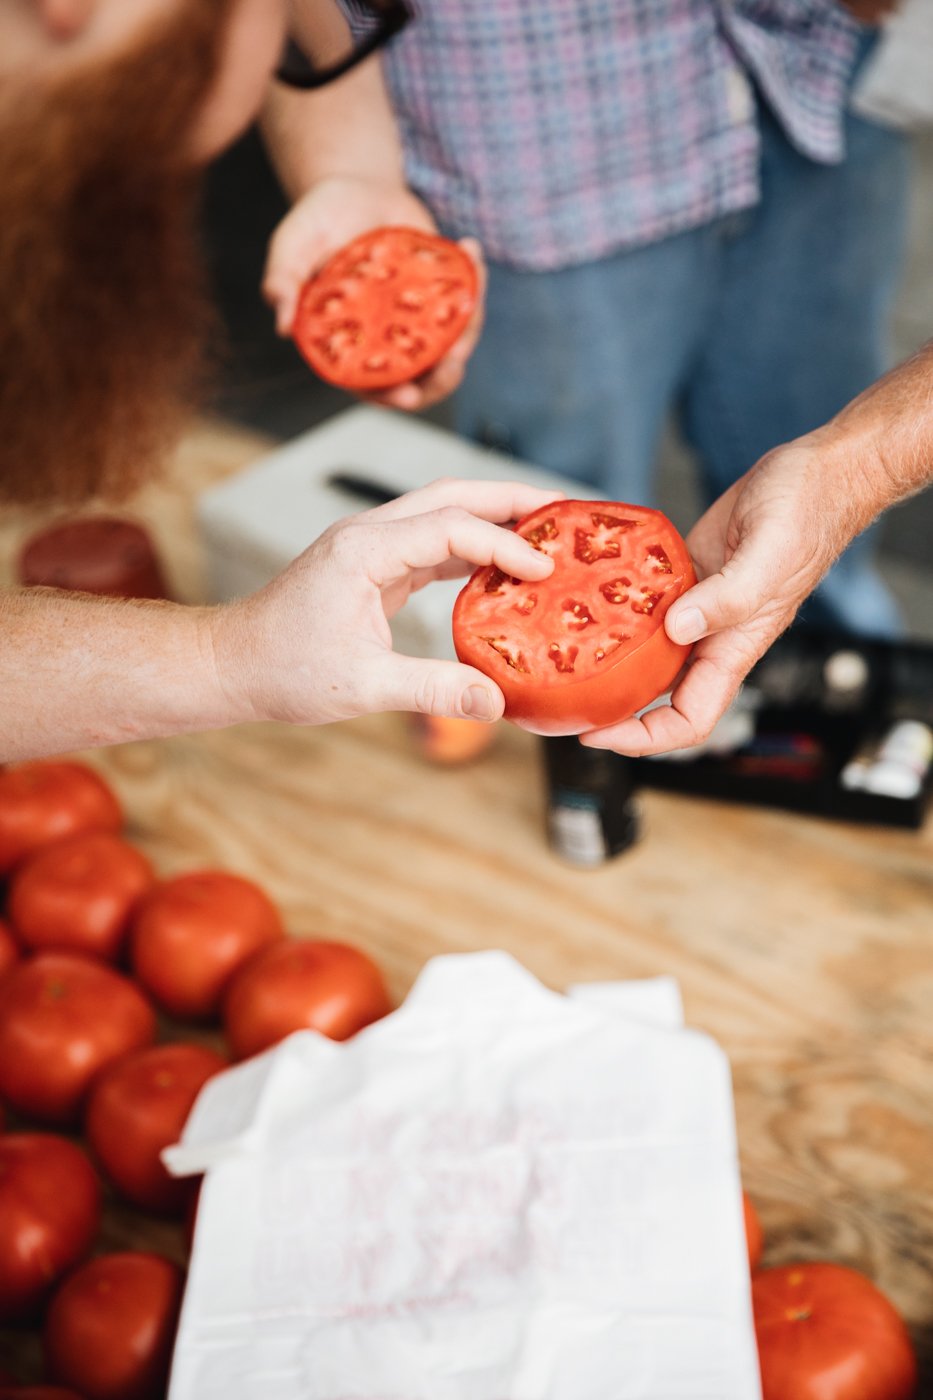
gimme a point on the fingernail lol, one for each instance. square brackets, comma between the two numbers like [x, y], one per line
[477, 703]
[689, 626]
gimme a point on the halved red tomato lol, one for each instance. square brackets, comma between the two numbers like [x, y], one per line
[826, 1333]
[386, 308]
[587, 647]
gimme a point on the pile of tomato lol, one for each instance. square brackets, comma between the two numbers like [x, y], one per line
[95, 954]
[102, 964]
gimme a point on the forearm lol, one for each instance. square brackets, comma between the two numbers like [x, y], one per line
[347, 128]
[78, 672]
[885, 436]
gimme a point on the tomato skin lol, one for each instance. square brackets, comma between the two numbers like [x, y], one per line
[77, 895]
[386, 308]
[110, 1328]
[43, 802]
[191, 934]
[137, 1107]
[636, 666]
[10, 951]
[62, 1020]
[50, 1204]
[826, 1333]
[302, 984]
[754, 1234]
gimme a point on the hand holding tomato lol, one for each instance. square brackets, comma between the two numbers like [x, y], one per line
[760, 550]
[315, 646]
[335, 211]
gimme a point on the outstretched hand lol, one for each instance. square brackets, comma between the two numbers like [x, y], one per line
[760, 550]
[315, 644]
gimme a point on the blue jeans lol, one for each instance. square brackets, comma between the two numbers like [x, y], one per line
[754, 330]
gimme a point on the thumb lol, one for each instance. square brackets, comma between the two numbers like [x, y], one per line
[436, 688]
[293, 256]
[738, 592]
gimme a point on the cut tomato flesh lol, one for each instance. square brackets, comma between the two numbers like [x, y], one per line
[386, 308]
[587, 646]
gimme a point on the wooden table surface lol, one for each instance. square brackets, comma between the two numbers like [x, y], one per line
[804, 947]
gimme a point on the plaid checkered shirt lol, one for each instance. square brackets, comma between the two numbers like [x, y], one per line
[561, 131]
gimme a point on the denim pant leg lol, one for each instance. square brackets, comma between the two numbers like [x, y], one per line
[802, 328]
[576, 369]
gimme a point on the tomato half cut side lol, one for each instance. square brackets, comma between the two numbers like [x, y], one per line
[587, 646]
[386, 308]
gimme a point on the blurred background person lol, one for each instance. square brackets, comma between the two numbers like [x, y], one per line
[678, 207]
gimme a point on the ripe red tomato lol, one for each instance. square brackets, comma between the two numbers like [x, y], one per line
[77, 895]
[301, 984]
[587, 647]
[62, 1020]
[110, 1328]
[754, 1234]
[191, 934]
[386, 308]
[43, 802]
[826, 1333]
[49, 1217]
[137, 1107]
[10, 951]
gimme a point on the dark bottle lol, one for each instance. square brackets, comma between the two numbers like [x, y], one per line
[591, 810]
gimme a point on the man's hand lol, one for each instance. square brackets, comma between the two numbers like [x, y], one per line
[760, 550]
[334, 211]
[315, 644]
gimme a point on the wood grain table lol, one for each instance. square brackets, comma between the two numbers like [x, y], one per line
[804, 947]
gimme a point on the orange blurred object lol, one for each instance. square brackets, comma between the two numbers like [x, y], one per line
[449, 741]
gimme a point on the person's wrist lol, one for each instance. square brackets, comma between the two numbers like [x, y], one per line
[850, 454]
[226, 640]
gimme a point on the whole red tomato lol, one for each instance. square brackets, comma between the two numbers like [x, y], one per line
[302, 984]
[77, 895]
[587, 646]
[62, 1020]
[385, 308]
[139, 1106]
[43, 802]
[110, 1328]
[191, 934]
[49, 1216]
[754, 1234]
[827, 1333]
[10, 951]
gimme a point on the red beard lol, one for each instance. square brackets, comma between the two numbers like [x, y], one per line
[104, 316]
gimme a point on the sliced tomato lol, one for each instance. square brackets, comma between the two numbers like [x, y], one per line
[587, 647]
[386, 308]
